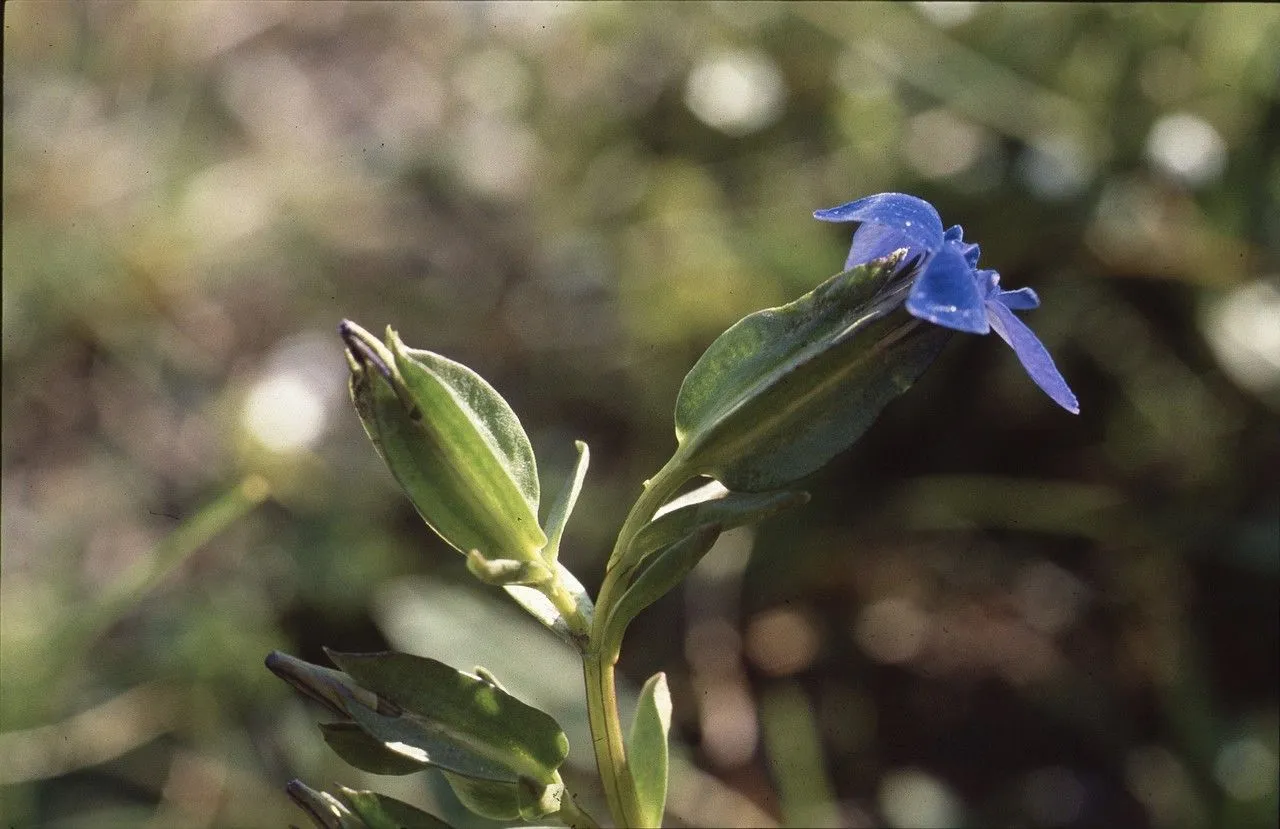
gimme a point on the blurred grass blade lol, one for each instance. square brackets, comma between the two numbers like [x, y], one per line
[793, 745]
[122, 595]
[647, 748]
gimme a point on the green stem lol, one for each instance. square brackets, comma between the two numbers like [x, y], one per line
[564, 602]
[598, 665]
[606, 738]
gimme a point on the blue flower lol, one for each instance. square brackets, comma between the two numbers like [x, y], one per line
[949, 289]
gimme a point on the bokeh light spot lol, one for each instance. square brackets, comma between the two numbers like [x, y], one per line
[1243, 329]
[939, 144]
[1187, 147]
[1246, 769]
[892, 630]
[737, 93]
[782, 641]
[912, 798]
[1056, 167]
[284, 413]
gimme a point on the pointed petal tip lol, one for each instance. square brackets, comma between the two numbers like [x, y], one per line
[831, 214]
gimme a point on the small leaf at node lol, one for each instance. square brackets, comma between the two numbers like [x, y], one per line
[562, 507]
[647, 749]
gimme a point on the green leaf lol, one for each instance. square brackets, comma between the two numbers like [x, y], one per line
[726, 509]
[455, 720]
[562, 507]
[350, 742]
[786, 389]
[423, 741]
[325, 810]
[451, 441]
[663, 571]
[523, 799]
[381, 812]
[407, 736]
[647, 749]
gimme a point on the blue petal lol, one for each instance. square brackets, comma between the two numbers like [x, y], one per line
[955, 237]
[947, 294]
[914, 218]
[1032, 354]
[1023, 299]
[871, 241]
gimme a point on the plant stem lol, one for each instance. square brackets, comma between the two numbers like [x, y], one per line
[564, 602]
[606, 738]
[598, 665]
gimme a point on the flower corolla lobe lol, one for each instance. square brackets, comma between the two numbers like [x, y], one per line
[949, 290]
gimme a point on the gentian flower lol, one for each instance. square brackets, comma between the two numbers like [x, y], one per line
[950, 290]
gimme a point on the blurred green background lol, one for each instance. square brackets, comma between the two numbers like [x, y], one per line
[992, 613]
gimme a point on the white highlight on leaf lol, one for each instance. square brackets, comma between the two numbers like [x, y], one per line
[288, 407]
[412, 752]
